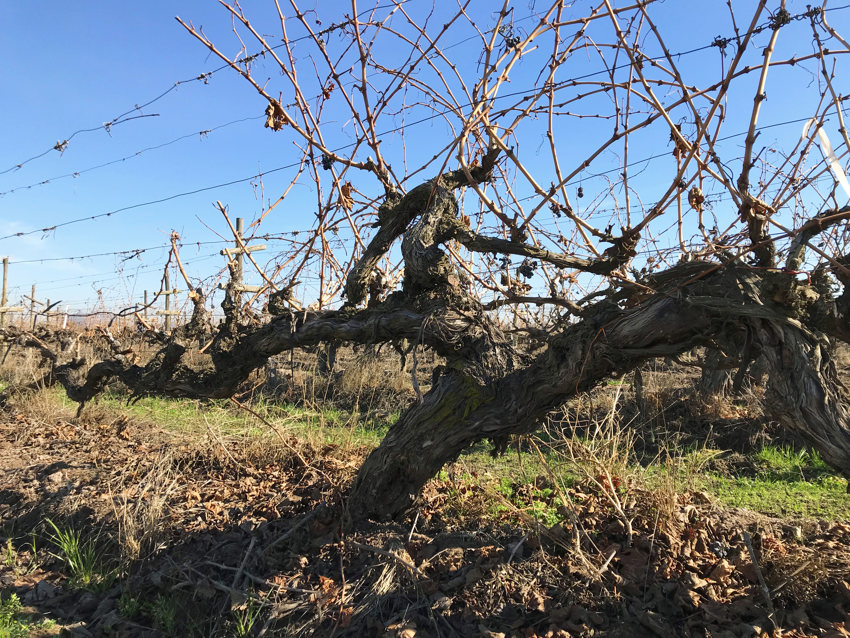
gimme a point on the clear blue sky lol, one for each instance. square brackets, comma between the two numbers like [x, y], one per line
[71, 66]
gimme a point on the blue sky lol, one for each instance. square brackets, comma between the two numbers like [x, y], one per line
[71, 66]
[74, 66]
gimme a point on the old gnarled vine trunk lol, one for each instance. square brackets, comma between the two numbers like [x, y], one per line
[803, 388]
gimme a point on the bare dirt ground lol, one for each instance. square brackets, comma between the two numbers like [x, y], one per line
[196, 540]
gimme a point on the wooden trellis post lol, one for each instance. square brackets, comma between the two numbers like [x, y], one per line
[236, 254]
[33, 303]
[4, 298]
[168, 312]
[33, 315]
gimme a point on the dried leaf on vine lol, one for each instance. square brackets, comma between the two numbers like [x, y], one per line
[275, 116]
[696, 199]
[681, 149]
[345, 199]
[681, 146]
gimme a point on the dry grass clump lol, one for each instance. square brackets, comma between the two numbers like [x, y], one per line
[610, 452]
[746, 405]
[601, 454]
[371, 372]
[140, 504]
[268, 449]
[369, 383]
[43, 408]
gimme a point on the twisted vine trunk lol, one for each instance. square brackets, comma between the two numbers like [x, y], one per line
[459, 410]
[805, 393]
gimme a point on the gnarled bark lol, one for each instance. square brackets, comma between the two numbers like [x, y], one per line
[459, 410]
[804, 391]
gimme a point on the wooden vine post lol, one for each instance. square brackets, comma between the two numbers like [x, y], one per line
[4, 299]
[168, 312]
[235, 258]
[35, 312]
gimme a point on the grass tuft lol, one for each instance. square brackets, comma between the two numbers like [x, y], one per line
[81, 557]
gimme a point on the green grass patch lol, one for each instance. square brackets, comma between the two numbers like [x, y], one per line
[320, 424]
[825, 497]
[775, 480]
[785, 482]
[244, 618]
[328, 424]
[788, 464]
[163, 611]
[129, 605]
